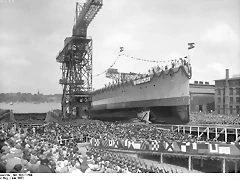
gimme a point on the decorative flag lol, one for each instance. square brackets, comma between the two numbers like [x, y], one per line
[202, 148]
[191, 45]
[213, 148]
[153, 145]
[121, 49]
[130, 145]
[224, 149]
[137, 145]
[169, 146]
[111, 143]
[144, 145]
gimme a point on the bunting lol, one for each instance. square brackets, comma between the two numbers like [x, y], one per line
[179, 60]
[155, 61]
[165, 146]
[109, 67]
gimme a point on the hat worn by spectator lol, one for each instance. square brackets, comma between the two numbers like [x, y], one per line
[17, 168]
[5, 150]
[44, 161]
[11, 162]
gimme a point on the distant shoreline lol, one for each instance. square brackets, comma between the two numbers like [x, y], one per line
[30, 107]
[29, 102]
[29, 98]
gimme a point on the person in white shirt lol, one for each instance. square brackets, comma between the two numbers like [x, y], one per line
[89, 169]
[76, 168]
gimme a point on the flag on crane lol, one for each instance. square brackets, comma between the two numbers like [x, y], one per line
[191, 45]
[121, 49]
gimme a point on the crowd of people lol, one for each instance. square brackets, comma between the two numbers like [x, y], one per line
[173, 64]
[133, 132]
[143, 132]
[212, 118]
[40, 151]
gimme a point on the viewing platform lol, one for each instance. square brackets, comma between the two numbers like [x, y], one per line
[227, 132]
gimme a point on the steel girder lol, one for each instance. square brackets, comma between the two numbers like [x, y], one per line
[76, 66]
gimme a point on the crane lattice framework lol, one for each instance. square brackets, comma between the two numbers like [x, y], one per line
[76, 63]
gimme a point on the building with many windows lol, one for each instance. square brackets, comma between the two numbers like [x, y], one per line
[227, 95]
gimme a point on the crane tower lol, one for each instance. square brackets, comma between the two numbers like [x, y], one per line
[76, 63]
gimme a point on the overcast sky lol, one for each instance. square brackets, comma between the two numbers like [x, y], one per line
[32, 33]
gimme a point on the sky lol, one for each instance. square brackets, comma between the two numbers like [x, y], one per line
[32, 32]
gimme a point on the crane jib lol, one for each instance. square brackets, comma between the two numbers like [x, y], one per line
[85, 14]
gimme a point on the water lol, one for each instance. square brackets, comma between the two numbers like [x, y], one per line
[30, 107]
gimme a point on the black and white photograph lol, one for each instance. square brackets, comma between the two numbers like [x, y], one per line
[119, 86]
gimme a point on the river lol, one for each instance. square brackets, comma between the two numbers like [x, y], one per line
[30, 107]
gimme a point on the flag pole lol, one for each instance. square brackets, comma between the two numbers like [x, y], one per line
[188, 56]
[189, 101]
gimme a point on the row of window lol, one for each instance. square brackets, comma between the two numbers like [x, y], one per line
[230, 108]
[230, 100]
[218, 91]
[232, 83]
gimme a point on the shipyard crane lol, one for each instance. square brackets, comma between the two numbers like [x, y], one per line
[121, 77]
[76, 63]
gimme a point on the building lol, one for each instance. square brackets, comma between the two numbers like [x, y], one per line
[227, 95]
[6, 118]
[201, 97]
[25, 120]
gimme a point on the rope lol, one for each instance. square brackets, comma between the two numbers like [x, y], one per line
[141, 59]
[147, 60]
[110, 66]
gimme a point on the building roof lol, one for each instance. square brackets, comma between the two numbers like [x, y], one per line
[233, 78]
[201, 85]
[202, 89]
[236, 75]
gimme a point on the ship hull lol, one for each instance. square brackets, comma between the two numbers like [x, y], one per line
[165, 95]
[158, 114]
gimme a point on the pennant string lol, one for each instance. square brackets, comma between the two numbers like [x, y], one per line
[109, 67]
[176, 61]
[147, 60]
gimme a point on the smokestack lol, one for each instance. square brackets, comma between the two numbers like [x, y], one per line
[227, 74]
